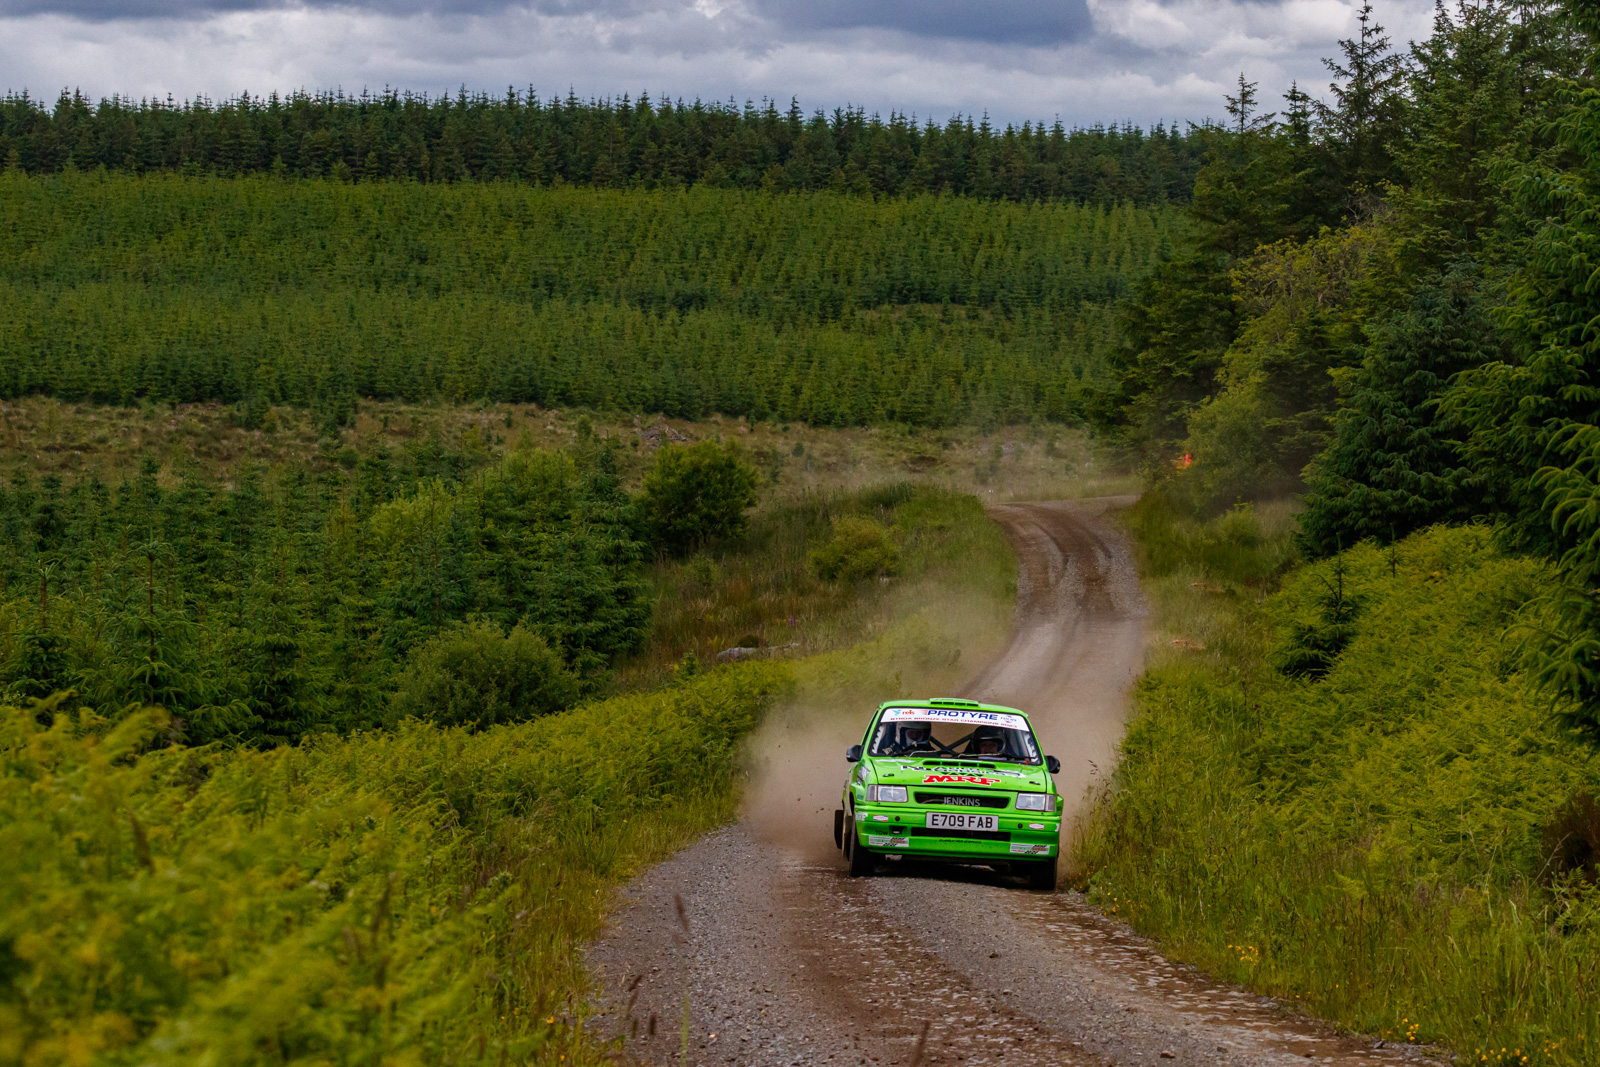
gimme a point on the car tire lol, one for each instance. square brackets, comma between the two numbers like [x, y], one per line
[1042, 875]
[863, 863]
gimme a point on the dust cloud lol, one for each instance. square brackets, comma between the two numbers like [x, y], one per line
[798, 772]
[795, 761]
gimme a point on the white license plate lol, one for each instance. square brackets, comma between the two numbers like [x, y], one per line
[953, 820]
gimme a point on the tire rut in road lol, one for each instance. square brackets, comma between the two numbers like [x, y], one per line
[880, 966]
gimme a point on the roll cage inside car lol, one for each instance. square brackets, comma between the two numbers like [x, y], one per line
[888, 739]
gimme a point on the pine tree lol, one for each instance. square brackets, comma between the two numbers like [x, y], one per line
[1242, 108]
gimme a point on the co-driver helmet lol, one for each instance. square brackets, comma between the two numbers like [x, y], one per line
[987, 741]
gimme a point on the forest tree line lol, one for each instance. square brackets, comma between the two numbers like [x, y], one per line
[608, 143]
[1386, 303]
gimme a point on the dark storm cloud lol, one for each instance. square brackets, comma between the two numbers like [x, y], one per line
[1025, 22]
[101, 10]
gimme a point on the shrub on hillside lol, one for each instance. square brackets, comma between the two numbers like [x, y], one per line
[477, 675]
[696, 496]
[860, 548]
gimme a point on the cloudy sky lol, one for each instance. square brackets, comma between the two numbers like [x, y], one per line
[1084, 61]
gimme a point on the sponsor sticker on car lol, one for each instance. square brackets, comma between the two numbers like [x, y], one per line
[888, 842]
[987, 770]
[959, 715]
[1030, 850]
[951, 779]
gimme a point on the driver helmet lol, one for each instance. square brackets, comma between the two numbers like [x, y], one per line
[987, 741]
[914, 733]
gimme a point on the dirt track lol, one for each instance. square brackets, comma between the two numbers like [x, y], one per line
[787, 960]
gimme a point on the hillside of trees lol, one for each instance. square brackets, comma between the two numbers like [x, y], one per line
[821, 307]
[608, 143]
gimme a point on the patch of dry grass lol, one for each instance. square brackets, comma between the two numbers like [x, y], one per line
[1030, 462]
[765, 592]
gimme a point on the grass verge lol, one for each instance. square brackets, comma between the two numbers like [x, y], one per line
[1338, 790]
[1042, 461]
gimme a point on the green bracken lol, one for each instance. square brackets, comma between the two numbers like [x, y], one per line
[401, 897]
[418, 894]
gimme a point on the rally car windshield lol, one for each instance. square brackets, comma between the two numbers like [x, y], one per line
[939, 734]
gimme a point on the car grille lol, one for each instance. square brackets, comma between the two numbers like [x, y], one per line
[965, 835]
[964, 800]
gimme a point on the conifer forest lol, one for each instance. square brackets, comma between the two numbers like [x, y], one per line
[611, 143]
[821, 307]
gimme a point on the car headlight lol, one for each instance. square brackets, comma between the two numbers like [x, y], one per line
[1036, 802]
[887, 794]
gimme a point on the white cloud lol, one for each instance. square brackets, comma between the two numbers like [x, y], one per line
[1143, 23]
[1142, 60]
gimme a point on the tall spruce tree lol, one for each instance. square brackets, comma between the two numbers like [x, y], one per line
[1363, 121]
[1255, 189]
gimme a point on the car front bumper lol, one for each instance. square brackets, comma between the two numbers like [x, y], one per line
[900, 829]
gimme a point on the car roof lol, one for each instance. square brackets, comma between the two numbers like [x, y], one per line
[952, 702]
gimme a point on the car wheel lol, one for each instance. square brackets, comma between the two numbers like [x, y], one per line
[863, 863]
[1042, 875]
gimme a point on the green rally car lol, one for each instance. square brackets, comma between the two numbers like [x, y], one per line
[953, 781]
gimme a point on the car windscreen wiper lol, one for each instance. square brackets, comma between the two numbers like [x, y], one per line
[984, 759]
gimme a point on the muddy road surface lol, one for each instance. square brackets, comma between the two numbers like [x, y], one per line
[755, 948]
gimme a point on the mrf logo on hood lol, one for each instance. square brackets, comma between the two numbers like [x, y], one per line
[958, 779]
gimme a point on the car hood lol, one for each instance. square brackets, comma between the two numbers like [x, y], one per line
[960, 774]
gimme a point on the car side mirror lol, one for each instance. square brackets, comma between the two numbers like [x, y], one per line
[1052, 764]
[852, 754]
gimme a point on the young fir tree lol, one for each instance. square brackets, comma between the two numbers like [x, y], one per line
[41, 664]
[272, 655]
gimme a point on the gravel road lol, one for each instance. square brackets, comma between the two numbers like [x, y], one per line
[753, 955]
